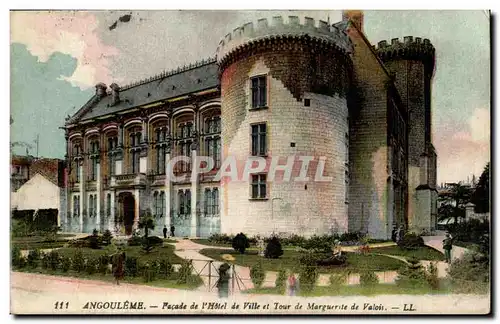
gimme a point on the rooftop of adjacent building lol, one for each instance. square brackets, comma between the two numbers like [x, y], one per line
[50, 168]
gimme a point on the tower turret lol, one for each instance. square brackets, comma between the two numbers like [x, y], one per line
[284, 85]
[411, 63]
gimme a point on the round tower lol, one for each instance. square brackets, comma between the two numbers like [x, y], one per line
[412, 64]
[283, 102]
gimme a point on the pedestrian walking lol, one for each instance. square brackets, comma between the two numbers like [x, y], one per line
[118, 266]
[172, 230]
[394, 233]
[292, 285]
[447, 246]
[165, 231]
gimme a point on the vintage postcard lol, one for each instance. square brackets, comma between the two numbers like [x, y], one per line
[250, 162]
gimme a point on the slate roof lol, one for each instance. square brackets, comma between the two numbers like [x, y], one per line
[190, 79]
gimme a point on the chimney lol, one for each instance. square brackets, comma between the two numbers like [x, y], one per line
[115, 92]
[356, 16]
[100, 90]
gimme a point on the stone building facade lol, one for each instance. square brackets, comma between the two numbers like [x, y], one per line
[283, 99]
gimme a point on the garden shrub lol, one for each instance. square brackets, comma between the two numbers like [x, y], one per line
[257, 275]
[65, 263]
[150, 242]
[220, 239]
[22, 262]
[91, 265]
[351, 238]
[319, 243]
[308, 275]
[131, 267]
[94, 240]
[273, 249]
[78, 261]
[54, 260]
[470, 231]
[281, 280]
[185, 272]
[368, 278]
[135, 240]
[107, 237]
[166, 269]
[412, 275]
[45, 259]
[240, 243]
[411, 241]
[104, 261]
[15, 256]
[337, 280]
[33, 258]
[432, 276]
[149, 271]
[470, 274]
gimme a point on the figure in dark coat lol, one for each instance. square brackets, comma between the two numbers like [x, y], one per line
[165, 231]
[447, 246]
[118, 260]
[172, 230]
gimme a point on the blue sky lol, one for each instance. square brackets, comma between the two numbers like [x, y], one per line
[58, 57]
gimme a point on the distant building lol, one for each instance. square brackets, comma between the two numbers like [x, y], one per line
[276, 88]
[42, 184]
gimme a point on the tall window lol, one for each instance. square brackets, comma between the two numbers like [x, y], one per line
[94, 158]
[258, 186]
[91, 206]
[184, 141]
[212, 139]
[135, 149]
[259, 139]
[211, 202]
[108, 204]
[184, 202]
[159, 203]
[77, 151]
[76, 205]
[112, 145]
[161, 149]
[259, 92]
[346, 158]
[77, 170]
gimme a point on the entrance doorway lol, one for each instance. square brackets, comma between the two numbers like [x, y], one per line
[128, 210]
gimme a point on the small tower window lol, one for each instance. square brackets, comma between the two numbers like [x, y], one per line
[307, 102]
[259, 91]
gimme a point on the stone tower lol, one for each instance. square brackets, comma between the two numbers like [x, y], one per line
[285, 84]
[411, 63]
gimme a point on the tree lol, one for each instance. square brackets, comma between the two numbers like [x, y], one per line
[147, 222]
[453, 202]
[481, 195]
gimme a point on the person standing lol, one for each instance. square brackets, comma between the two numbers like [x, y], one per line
[172, 230]
[292, 285]
[165, 231]
[118, 266]
[394, 234]
[447, 246]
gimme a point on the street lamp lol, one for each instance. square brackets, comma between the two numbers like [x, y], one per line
[272, 212]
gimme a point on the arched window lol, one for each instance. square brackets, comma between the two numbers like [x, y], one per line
[183, 144]
[91, 206]
[163, 204]
[215, 195]
[181, 202]
[161, 144]
[112, 145]
[135, 136]
[212, 139]
[94, 158]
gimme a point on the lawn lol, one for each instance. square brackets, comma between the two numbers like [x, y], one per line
[423, 253]
[163, 252]
[290, 260]
[356, 290]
